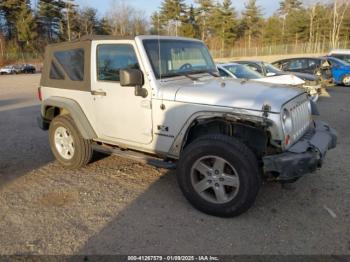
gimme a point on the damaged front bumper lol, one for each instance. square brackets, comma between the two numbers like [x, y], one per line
[303, 157]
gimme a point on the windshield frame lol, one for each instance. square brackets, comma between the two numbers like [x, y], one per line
[210, 64]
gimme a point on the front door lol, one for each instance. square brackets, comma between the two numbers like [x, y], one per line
[119, 114]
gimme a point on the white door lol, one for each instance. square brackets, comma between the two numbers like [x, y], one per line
[119, 114]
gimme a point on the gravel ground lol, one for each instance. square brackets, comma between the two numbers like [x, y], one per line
[117, 206]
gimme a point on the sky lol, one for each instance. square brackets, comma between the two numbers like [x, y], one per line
[149, 6]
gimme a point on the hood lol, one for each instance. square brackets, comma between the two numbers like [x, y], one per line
[283, 80]
[304, 76]
[228, 93]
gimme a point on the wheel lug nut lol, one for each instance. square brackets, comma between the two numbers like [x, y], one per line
[217, 185]
[217, 172]
[209, 181]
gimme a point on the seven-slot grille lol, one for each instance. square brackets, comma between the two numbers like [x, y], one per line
[301, 118]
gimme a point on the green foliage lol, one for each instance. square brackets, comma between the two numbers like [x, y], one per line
[272, 31]
[189, 26]
[252, 21]
[288, 6]
[224, 23]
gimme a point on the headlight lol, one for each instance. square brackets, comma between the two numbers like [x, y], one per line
[287, 122]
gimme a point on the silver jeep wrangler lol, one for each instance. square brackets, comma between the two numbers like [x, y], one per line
[160, 100]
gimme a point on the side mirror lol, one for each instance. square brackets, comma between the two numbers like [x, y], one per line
[133, 77]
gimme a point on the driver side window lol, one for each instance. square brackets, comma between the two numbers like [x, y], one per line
[111, 58]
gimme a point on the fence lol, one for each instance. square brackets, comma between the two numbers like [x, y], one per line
[288, 49]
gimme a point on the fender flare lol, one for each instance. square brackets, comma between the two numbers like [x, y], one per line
[177, 146]
[74, 110]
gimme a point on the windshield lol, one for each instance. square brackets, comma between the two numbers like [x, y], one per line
[242, 71]
[271, 69]
[338, 62]
[178, 57]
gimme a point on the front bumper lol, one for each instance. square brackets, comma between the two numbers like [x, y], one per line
[303, 157]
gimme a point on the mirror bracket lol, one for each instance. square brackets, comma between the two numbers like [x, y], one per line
[140, 91]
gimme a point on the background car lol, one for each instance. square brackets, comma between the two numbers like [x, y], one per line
[8, 70]
[28, 69]
[240, 71]
[342, 54]
[267, 69]
[340, 71]
[318, 66]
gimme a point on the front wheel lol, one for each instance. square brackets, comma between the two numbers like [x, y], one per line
[67, 144]
[346, 80]
[219, 175]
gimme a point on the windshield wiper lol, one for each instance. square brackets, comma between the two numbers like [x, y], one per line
[205, 72]
[213, 74]
[180, 74]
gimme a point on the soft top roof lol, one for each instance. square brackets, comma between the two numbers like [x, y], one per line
[90, 38]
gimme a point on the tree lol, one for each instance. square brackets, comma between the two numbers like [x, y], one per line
[88, 21]
[156, 24]
[224, 22]
[172, 13]
[204, 13]
[125, 20]
[340, 8]
[272, 30]
[19, 21]
[286, 7]
[25, 26]
[50, 19]
[189, 27]
[251, 21]
[103, 27]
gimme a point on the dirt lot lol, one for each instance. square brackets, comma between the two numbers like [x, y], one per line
[117, 206]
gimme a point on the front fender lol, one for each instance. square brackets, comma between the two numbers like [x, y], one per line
[179, 141]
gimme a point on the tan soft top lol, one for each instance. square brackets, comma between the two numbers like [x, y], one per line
[83, 43]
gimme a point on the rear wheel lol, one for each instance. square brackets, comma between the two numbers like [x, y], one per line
[219, 175]
[67, 144]
[346, 80]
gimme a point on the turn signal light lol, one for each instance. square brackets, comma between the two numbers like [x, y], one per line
[287, 140]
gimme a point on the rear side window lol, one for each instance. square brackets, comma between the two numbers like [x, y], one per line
[111, 58]
[55, 72]
[72, 61]
[298, 64]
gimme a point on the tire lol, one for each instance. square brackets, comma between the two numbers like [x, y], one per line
[346, 80]
[240, 162]
[75, 151]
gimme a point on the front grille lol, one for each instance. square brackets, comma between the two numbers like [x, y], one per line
[300, 113]
[301, 118]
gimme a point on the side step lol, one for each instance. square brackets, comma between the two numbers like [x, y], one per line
[133, 155]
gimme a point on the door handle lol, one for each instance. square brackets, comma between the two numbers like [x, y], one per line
[98, 93]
